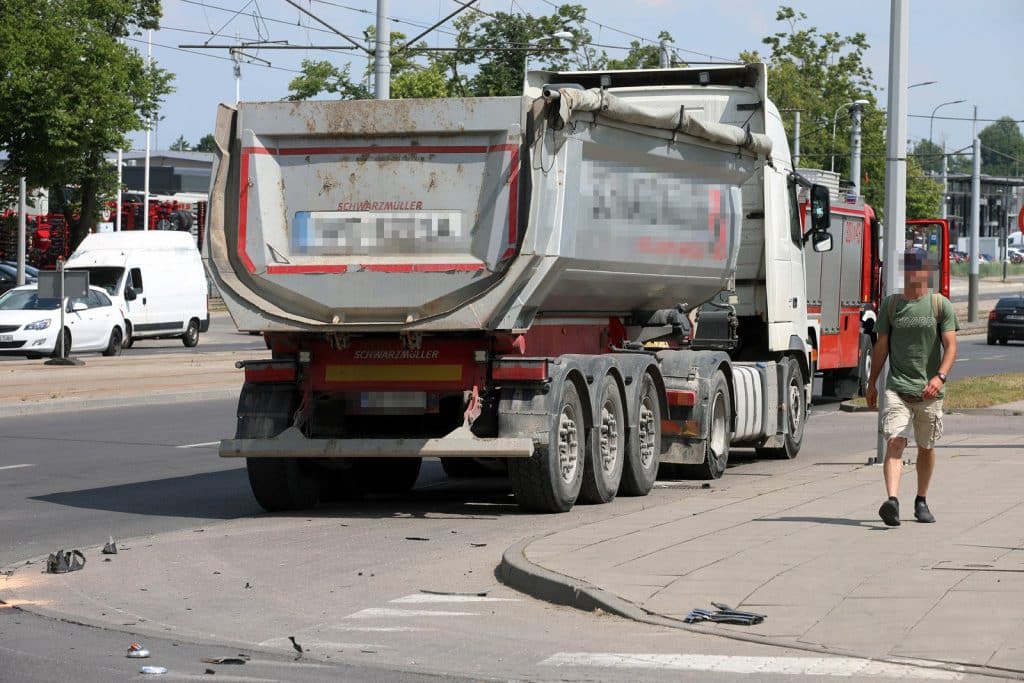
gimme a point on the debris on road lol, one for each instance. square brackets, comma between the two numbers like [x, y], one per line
[298, 648]
[477, 594]
[153, 670]
[416, 538]
[209, 672]
[136, 651]
[110, 547]
[64, 561]
[724, 615]
[223, 660]
[478, 545]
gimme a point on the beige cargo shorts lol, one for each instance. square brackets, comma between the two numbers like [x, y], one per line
[925, 416]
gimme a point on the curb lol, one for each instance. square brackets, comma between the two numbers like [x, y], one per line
[519, 573]
[851, 407]
[119, 401]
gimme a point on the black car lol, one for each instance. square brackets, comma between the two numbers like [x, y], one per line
[1006, 320]
[9, 277]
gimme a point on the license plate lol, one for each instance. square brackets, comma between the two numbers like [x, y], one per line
[1009, 317]
[6, 337]
[384, 400]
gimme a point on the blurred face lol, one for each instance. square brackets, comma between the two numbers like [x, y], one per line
[916, 277]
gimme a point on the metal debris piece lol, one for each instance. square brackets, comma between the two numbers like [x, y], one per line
[153, 670]
[136, 651]
[416, 538]
[222, 660]
[64, 561]
[110, 547]
[477, 594]
[724, 615]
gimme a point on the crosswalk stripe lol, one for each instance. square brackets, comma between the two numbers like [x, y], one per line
[16, 467]
[377, 629]
[378, 612]
[433, 598]
[805, 666]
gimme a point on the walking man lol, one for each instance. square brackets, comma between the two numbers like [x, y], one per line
[917, 333]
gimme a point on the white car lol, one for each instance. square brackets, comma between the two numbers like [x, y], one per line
[29, 325]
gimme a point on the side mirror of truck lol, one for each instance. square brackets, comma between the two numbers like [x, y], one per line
[821, 218]
[821, 240]
[129, 294]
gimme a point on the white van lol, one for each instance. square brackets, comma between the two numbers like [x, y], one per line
[156, 277]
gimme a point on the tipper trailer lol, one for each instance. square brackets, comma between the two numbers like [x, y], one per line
[596, 278]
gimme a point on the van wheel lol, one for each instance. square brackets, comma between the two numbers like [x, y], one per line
[550, 479]
[191, 336]
[114, 345]
[127, 342]
[644, 449]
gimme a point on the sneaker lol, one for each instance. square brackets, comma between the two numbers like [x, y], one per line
[890, 513]
[922, 513]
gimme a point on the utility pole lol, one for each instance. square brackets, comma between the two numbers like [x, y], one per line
[236, 57]
[120, 180]
[972, 282]
[855, 146]
[22, 208]
[945, 180]
[664, 61]
[149, 126]
[895, 173]
[796, 138]
[382, 53]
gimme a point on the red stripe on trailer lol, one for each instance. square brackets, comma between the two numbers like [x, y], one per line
[243, 202]
[681, 397]
[262, 374]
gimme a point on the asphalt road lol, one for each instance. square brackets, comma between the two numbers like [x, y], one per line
[73, 479]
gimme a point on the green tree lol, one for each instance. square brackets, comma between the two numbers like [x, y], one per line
[818, 73]
[180, 145]
[1002, 148]
[924, 194]
[321, 76]
[207, 143]
[928, 156]
[419, 83]
[70, 90]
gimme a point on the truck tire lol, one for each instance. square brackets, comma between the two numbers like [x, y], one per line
[644, 449]
[795, 411]
[278, 484]
[602, 470]
[719, 433]
[864, 363]
[387, 475]
[550, 480]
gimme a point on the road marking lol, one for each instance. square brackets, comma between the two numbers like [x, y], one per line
[16, 467]
[433, 598]
[200, 445]
[806, 666]
[312, 644]
[378, 612]
[377, 629]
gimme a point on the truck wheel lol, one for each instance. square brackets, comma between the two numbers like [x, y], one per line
[279, 484]
[641, 466]
[795, 411]
[388, 475]
[719, 433]
[550, 480]
[602, 470]
[864, 363]
[340, 483]
[191, 336]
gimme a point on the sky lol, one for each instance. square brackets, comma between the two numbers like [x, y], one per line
[972, 49]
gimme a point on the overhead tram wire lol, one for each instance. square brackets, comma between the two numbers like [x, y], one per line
[212, 56]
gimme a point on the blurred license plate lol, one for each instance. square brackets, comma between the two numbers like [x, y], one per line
[6, 337]
[375, 400]
[1009, 317]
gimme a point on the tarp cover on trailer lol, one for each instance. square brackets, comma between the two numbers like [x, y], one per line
[657, 116]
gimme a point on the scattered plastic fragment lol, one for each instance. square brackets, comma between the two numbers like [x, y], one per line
[136, 651]
[64, 561]
[477, 594]
[153, 670]
[724, 615]
[478, 545]
[416, 538]
[110, 547]
[298, 648]
[209, 672]
[222, 660]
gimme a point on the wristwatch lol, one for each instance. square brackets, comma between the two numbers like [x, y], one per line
[942, 376]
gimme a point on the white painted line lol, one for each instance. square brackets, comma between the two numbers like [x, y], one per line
[16, 467]
[799, 666]
[433, 598]
[311, 644]
[378, 629]
[205, 444]
[379, 612]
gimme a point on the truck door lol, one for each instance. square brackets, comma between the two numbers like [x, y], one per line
[137, 309]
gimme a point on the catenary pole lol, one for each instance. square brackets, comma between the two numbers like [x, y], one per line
[796, 138]
[149, 127]
[382, 53]
[895, 172]
[22, 225]
[972, 281]
[855, 147]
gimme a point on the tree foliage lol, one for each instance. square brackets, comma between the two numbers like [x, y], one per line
[180, 145]
[321, 76]
[207, 143]
[70, 90]
[1002, 148]
[924, 193]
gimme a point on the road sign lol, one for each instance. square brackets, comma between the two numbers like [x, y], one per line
[76, 284]
[1020, 219]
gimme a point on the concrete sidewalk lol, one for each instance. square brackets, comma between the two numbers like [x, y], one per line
[806, 548]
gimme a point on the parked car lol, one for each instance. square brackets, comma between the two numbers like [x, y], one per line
[1014, 255]
[29, 325]
[9, 277]
[1006, 320]
[29, 270]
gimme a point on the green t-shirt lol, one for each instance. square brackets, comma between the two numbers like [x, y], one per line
[915, 343]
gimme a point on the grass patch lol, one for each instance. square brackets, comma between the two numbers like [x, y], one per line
[986, 269]
[978, 392]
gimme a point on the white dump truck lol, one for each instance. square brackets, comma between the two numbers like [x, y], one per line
[601, 276]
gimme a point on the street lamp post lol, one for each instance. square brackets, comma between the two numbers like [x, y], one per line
[855, 103]
[931, 119]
